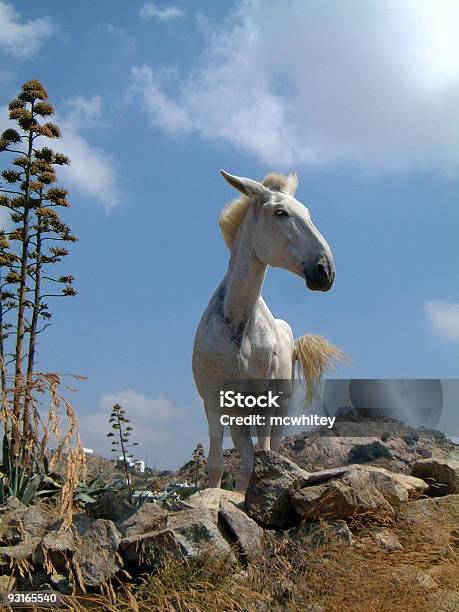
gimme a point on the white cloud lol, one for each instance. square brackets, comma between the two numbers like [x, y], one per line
[18, 39]
[156, 424]
[320, 83]
[444, 318]
[151, 11]
[92, 171]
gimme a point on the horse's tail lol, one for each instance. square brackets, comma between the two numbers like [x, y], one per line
[315, 355]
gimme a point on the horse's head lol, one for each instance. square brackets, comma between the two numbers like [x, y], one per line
[284, 235]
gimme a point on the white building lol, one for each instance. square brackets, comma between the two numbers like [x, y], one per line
[136, 464]
[88, 451]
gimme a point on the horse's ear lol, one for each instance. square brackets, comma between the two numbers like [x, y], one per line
[292, 182]
[246, 186]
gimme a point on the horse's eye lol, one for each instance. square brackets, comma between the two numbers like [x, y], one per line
[281, 213]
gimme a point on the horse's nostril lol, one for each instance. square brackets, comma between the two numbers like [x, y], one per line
[322, 270]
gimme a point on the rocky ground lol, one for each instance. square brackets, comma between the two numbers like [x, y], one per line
[375, 528]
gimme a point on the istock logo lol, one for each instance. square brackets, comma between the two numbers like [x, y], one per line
[230, 399]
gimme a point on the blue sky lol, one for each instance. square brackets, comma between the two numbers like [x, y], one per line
[360, 97]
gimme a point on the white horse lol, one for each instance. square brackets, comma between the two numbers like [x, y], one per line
[238, 338]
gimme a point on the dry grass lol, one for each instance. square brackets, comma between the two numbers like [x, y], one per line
[290, 575]
[46, 431]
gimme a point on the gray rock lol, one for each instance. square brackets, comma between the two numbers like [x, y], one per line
[352, 494]
[318, 534]
[56, 550]
[61, 583]
[149, 517]
[111, 506]
[388, 541]
[188, 534]
[267, 497]
[10, 555]
[243, 530]
[441, 476]
[97, 554]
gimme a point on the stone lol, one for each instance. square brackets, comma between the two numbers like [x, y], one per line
[315, 535]
[267, 497]
[97, 554]
[210, 499]
[111, 506]
[61, 583]
[441, 476]
[188, 534]
[444, 600]
[388, 541]
[56, 550]
[149, 517]
[433, 517]
[21, 552]
[415, 576]
[349, 495]
[243, 530]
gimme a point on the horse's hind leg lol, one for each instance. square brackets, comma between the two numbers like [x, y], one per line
[215, 463]
[242, 441]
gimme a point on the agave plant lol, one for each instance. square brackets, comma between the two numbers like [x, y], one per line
[89, 493]
[15, 480]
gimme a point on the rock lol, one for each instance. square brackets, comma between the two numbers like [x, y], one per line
[441, 476]
[149, 517]
[7, 584]
[56, 550]
[209, 499]
[396, 488]
[350, 494]
[35, 521]
[97, 554]
[33, 581]
[267, 497]
[61, 583]
[444, 600]
[433, 517]
[188, 534]
[11, 513]
[388, 541]
[242, 530]
[111, 506]
[22, 552]
[318, 534]
[415, 576]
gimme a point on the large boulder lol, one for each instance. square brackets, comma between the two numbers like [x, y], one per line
[344, 492]
[267, 498]
[350, 494]
[188, 534]
[240, 529]
[442, 476]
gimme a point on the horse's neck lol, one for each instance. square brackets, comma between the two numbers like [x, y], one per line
[243, 280]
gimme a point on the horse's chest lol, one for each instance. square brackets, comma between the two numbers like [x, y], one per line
[257, 355]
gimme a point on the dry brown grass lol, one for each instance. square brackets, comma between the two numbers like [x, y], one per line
[52, 431]
[289, 575]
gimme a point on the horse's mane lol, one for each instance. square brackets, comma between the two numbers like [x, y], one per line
[233, 213]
